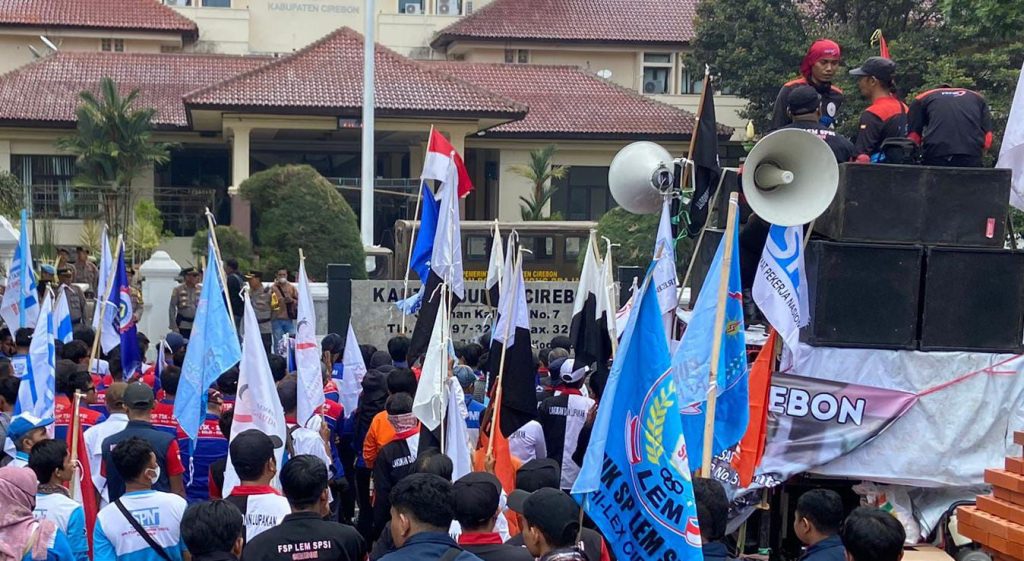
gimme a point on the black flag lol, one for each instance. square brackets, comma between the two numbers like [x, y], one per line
[588, 330]
[705, 160]
[518, 379]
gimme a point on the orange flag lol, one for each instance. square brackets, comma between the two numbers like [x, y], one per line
[505, 465]
[751, 449]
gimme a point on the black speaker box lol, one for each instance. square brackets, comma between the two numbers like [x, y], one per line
[973, 300]
[702, 261]
[919, 205]
[863, 295]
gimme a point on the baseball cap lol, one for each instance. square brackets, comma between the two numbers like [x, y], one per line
[175, 341]
[464, 374]
[550, 510]
[570, 372]
[251, 448]
[138, 396]
[876, 66]
[803, 100]
[476, 497]
[24, 424]
[332, 343]
[538, 474]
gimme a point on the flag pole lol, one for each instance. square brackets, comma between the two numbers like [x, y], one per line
[696, 127]
[76, 425]
[516, 262]
[716, 343]
[103, 305]
[220, 263]
[412, 234]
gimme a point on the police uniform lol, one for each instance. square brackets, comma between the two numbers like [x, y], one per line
[87, 273]
[76, 302]
[953, 125]
[137, 303]
[183, 307]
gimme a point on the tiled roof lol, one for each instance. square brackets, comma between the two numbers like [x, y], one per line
[567, 102]
[47, 89]
[590, 21]
[135, 15]
[328, 76]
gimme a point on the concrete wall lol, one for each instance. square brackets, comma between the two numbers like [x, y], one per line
[727, 109]
[14, 44]
[624, 64]
[221, 30]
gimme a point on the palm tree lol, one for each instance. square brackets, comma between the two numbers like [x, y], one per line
[540, 172]
[113, 146]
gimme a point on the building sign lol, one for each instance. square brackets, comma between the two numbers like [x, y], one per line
[376, 319]
[313, 7]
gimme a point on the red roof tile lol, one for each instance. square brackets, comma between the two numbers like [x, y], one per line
[591, 21]
[135, 15]
[47, 90]
[328, 76]
[567, 102]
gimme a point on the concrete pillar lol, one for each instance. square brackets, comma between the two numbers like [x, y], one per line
[159, 274]
[240, 219]
[5, 155]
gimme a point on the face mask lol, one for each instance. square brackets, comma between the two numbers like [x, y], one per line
[156, 475]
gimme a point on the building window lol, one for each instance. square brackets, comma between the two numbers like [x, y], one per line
[517, 56]
[216, 3]
[47, 183]
[583, 193]
[112, 45]
[691, 82]
[446, 7]
[657, 73]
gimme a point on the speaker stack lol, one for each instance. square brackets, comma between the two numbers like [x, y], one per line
[915, 260]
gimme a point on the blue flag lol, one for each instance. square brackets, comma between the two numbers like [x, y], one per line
[121, 321]
[635, 473]
[423, 248]
[62, 318]
[38, 384]
[212, 349]
[20, 307]
[691, 364]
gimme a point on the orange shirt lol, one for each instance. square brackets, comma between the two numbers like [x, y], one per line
[379, 435]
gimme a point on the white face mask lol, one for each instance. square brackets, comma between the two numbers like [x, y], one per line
[156, 475]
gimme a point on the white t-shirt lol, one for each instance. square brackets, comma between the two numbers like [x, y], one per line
[94, 437]
[527, 443]
[159, 513]
[260, 511]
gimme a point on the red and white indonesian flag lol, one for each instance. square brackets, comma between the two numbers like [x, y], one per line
[441, 155]
[1011, 153]
[307, 354]
[257, 405]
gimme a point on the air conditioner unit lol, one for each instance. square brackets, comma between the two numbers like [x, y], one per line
[447, 7]
[467, 7]
[650, 87]
[413, 9]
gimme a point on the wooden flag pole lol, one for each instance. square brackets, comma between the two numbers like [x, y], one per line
[76, 425]
[220, 264]
[412, 234]
[716, 343]
[103, 304]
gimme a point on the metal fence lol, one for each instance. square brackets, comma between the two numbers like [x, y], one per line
[184, 208]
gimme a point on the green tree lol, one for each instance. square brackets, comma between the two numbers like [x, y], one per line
[11, 192]
[540, 171]
[297, 208]
[113, 145]
[146, 231]
[232, 244]
[633, 236]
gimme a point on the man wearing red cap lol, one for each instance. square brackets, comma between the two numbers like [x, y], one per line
[817, 69]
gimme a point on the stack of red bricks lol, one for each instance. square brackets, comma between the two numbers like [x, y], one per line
[997, 521]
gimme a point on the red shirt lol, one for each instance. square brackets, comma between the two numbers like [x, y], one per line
[62, 411]
[163, 417]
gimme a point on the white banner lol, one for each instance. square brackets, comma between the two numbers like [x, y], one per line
[780, 286]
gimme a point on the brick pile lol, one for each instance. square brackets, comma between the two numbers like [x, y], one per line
[997, 521]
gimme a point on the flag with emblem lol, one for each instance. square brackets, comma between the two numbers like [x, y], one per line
[119, 318]
[635, 482]
[691, 363]
[106, 261]
[307, 353]
[20, 306]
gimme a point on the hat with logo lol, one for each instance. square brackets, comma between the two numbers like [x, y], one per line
[876, 67]
[25, 423]
[570, 372]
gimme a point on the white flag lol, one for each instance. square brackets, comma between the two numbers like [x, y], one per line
[664, 278]
[446, 257]
[457, 433]
[430, 404]
[514, 313]
[102, 290]
[38, 387]
[307, 354]
[19, 306]
[1011, 153]
[780, 286]
[353, 371]
[495, 268]
[257, 405]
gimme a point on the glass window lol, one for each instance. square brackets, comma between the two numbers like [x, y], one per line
[658, 57]
[583, 194]
[573, 247]
[216, 3]
[510, 55]
[106, 45]
[119, 45]
[410, 6]
[543, 247]
[656, 80]
[691, 82]
[478, 247]
[47, 181]
[524, 56]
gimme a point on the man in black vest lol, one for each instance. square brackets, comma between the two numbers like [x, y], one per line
[138, 398]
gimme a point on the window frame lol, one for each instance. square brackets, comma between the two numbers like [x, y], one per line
[669, 66]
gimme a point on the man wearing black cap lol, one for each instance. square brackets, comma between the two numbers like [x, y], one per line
[551, 524]
[564, 415]
[477, 497]
[544, 474]
[805, 113]
[886, 117]
[262, 507]
[138, 398]
[953, 125]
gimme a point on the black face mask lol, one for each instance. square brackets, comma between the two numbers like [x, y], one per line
[43, 284]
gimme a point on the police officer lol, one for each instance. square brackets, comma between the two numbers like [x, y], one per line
[74, 295]
[184, 299]
[136, 295]
[805, 112]
[953, 125]
[817, 70]
[886, 117]
[259, 295]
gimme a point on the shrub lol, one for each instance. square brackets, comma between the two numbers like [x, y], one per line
[295, 207]
[232, 244]
[635, 235]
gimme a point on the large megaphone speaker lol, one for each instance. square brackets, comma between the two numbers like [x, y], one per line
[640, 176]
[790, 177]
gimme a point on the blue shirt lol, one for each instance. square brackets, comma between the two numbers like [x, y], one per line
[828, 549]
[69, 517]
[57, 550]
[428, 545]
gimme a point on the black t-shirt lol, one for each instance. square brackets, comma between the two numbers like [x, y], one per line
[831, 101]
[235, 283]
[591, 543]
[396, 460]
[840, 145]
[885, 118]
[310, 535]
[951, 122]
